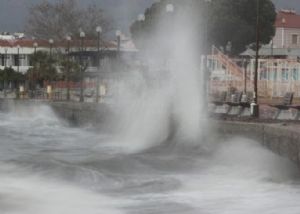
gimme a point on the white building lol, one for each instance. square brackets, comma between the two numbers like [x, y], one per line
[16, 53]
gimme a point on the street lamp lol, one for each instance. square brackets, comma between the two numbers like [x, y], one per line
[5, 64]
[18, 58]
[5, 58]
[35, 45]
[205, 75]
[49, 87]
[82, 36]
[99, 31]
[246, 63]
[141, 17]
[170, 8]
[228, 47]
[18, 64]
[118, 34]
[254, 104]
[51, 41]
[68, 38]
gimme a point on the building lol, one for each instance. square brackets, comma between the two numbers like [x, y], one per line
[287, 30]
[278, 66]
[16, 53]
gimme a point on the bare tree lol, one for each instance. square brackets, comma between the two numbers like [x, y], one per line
[65, 17]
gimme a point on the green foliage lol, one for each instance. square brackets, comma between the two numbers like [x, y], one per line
[236, 22]
[216, 23]
[70, 70]
[10, 75]
[44, 67]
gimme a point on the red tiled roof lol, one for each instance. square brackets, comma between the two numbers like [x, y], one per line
[45, 43]
[287, 19]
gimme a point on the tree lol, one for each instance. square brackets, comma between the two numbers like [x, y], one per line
[70, 72]
[44, 68]
[9, 75]
[65, 17]
[216, 23]
[236, 22]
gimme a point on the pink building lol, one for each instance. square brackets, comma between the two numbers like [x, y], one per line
[287, 30]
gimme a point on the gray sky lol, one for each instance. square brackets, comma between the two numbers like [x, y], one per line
[13, 13]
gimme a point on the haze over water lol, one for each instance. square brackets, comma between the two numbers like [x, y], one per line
[48, 167]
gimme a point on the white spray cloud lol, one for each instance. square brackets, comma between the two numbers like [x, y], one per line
[171, 92]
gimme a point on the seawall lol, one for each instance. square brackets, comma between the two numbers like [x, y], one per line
[281, 138]
[75, 113]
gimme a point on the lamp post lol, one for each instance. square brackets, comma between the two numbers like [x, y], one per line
[118, 34]
[245, 75]
[49, 87]
[254, 104]
[68, 38]
[82, 36]
[228, 47]
[35, 45]
[51, 41]
[170, 8]
[5, 58]
[205, 52]
[18, 58]
[99, 31]
[5, 65]
[170, 23]
[141, 17]
[18, 69]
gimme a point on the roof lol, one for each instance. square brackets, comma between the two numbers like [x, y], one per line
[267, 51]
[44, 43]
[287, 19]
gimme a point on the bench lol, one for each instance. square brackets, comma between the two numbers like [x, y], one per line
[235, 104]
[219, 104]
[245, 104]
[221, 99]
[296, 113]
[284, 109]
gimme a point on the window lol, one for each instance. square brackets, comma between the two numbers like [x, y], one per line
[294, 39]
[295, 74]
[263, 74]
[284, 74]
[275, 74]
[16, 60]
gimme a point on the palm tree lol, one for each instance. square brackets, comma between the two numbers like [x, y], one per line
[44, 68]
[70, 71]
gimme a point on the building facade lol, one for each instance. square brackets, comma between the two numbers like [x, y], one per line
[287, 33]
[278, 65]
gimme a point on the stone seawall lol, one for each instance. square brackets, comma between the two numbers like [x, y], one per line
[283, 139]
[76, 113]
[82, 113]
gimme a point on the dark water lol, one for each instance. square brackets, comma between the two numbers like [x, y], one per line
[47, 167]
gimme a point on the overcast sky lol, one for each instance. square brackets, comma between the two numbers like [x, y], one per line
[13, 13]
